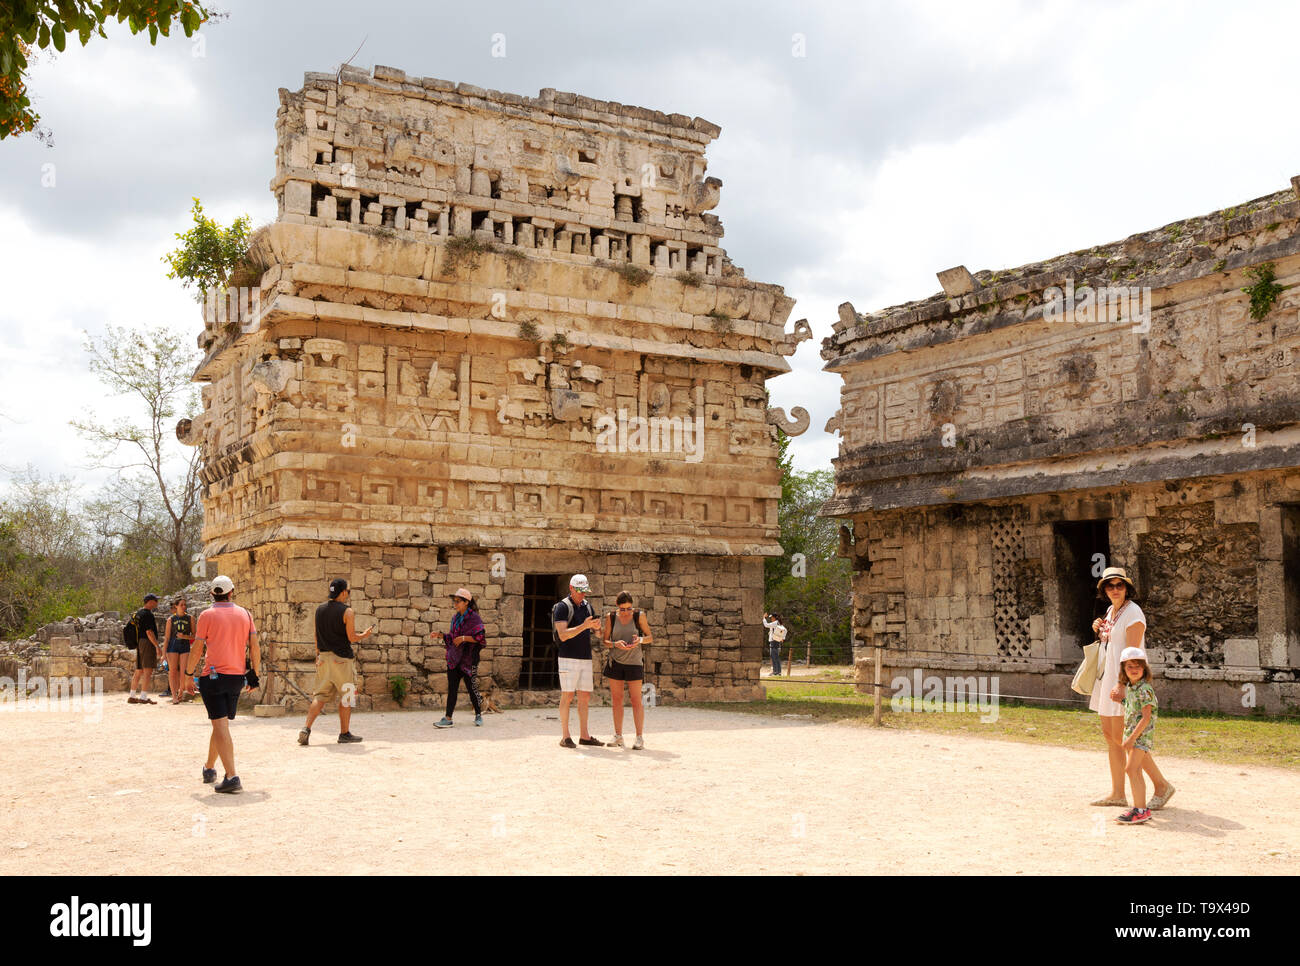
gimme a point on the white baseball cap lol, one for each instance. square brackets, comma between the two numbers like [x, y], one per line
[223, 585]
[1132, 654]
[579, 582]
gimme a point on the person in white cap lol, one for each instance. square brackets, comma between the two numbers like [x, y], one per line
[573, 621]
[223, 633]
[1140, 706]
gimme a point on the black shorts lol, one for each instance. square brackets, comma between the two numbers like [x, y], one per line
[221, 697]
[624, 672]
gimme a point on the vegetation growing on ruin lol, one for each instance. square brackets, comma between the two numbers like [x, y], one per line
[559, 342]
[1264, 291]
[722, 323]
[633, 275]
[399, 687]
[689, 279]
[209, 253]
[464, 251]
[528, 330]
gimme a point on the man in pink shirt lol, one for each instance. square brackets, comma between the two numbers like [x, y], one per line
[224, 630]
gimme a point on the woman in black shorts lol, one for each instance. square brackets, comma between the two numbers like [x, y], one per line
[178, 634]
[625, 632]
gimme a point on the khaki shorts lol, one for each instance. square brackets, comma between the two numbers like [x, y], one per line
[333, 673]
[146, 655]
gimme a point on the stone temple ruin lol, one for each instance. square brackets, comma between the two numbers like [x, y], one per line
[1126, 405]
[496, 343]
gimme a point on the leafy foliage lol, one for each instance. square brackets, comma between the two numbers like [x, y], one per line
[24, 23]
[817, 607]
[1264, 292]
[58, 559]
[208, 253]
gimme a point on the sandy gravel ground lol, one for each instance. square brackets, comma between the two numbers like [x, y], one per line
[715, 792]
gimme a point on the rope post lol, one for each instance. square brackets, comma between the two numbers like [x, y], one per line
[875, 706]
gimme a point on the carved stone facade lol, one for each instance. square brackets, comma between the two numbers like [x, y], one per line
[1119, 406]
[496, 344]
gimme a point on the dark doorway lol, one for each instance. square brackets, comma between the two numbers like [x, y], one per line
[1082, 553]
[1291, 581]
[540, 668]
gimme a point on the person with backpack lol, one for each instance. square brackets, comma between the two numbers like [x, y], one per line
[464, 644]
[572, 621]
[776, 632]
[179, 633]
[141, 634]
[625, 632]
[225, 630]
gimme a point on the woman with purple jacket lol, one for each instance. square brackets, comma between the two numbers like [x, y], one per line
[464, 642]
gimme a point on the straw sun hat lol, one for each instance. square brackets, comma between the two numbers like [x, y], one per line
[1117, 573]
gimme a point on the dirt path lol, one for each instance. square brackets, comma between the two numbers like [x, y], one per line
[715, 792]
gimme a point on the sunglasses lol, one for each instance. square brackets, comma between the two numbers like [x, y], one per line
[1115, 585]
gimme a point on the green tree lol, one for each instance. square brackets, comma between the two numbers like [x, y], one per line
[812, 593]
[157, 499]
[45, 24]
[209, 253]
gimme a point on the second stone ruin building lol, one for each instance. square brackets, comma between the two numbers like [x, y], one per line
[496, 343]
[1136, 404]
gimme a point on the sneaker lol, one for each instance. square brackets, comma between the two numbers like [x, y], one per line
[133, 700]
[478, 721]
[304, 736]
[348, 738]
[230, 786]
[1135, 815]
[639, 744]
[567, 743]
[209, 776]
[165, 694]
[443, 722]
[617, 742]
[147, 701]
[1160, 801]
[595, 742]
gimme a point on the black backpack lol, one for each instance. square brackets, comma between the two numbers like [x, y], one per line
[131, 632]
[555, 635]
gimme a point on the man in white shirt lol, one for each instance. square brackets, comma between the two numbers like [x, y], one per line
[775, 636]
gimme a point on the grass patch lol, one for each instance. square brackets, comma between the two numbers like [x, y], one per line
[722, 323]
[464, 250]
[1273, 741]
[633, 275]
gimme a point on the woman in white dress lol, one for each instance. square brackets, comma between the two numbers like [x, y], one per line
[1123, 625]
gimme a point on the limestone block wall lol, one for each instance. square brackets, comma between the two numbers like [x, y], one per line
[993, 587]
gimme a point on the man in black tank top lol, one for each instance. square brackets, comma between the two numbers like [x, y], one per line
[336, 666]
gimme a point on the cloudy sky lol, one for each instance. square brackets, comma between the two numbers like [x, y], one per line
[864, 147]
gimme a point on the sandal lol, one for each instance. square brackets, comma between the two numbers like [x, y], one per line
[1111, 802]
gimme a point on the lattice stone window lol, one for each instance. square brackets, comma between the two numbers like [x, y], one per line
[1008, 550]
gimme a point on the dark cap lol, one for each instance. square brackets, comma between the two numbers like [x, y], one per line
[337, 586]
[149, 597]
